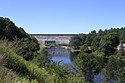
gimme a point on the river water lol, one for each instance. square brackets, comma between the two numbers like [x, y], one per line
[66, 57]
[60, 54]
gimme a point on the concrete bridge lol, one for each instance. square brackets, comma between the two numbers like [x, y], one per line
[53, 38]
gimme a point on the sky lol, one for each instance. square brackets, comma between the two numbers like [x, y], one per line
[64, 16]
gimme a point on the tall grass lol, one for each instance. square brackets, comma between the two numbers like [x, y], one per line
[6, 76]
[21, 66]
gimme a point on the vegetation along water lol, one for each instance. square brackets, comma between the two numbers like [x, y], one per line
[98, 57]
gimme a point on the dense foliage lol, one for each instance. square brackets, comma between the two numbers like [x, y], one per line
[23, 67]
[21, 54]
[21, 59]
[98, 53]
[24, 44]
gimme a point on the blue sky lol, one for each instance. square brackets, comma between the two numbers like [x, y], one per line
[64, 16]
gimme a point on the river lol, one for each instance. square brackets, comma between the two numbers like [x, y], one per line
[60, 54]
[66, 57]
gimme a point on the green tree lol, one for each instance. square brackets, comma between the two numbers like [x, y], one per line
[114, 69]
[85, 48]
[9, 30]
[43, 59]
[24, 44]
[96, 42]
[109, 43]
[89, 65]
[75, 42]
[83, 37]
[89, 39]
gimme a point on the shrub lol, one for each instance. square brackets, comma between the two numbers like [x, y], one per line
[21, 66]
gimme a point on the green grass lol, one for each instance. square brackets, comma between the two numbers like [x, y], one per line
[9, 76]
[23, 67]
[6, 75]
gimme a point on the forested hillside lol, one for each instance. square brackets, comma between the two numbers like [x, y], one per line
[99, 54]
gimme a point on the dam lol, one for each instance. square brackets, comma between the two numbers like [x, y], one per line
[53, 38]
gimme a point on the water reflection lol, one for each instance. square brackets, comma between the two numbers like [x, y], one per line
[67, 57]
[60, 54]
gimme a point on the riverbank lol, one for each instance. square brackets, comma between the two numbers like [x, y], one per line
[56, 46]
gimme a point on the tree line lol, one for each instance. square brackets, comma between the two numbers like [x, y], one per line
[98, 53]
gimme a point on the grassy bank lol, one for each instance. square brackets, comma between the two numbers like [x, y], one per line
[23, 67]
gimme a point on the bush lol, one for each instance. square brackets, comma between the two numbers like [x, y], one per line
[21, 66]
